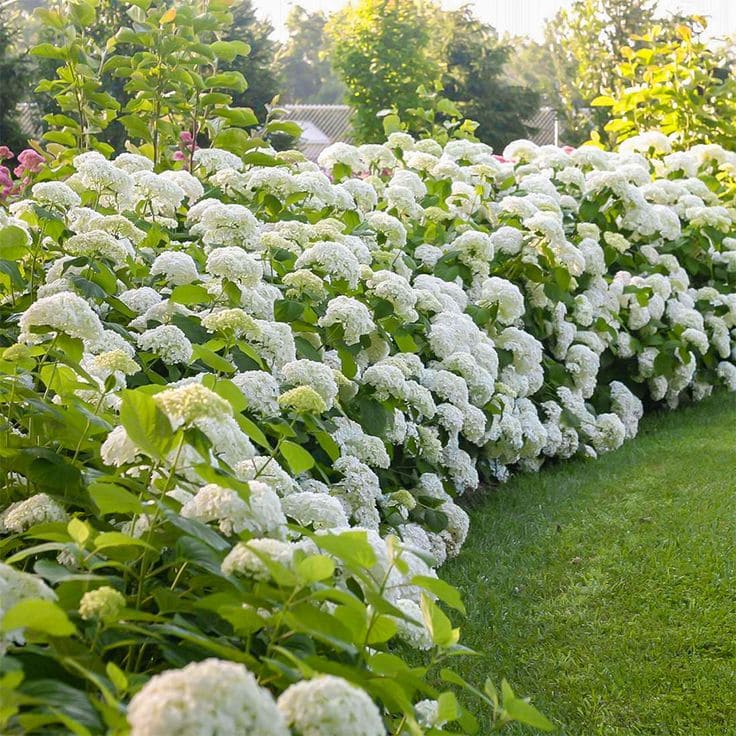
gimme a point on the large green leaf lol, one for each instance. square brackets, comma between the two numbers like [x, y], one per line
[297, 457]
[40, 615]
[146, 424]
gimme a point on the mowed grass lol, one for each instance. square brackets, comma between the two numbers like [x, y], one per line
[606, 589]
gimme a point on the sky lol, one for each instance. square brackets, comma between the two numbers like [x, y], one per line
[520, 17]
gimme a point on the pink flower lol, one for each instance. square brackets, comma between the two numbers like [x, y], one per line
[5, 153]
[189, 140]
[179, 156]
[568, 149]
[29, 162]
[501, 159]
[6, 182]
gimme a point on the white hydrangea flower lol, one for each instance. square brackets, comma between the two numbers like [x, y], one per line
[727, 373]
[504, 294]
[118, 449]
[132, 162]
[227, 225]
[162, 195]
[56, 194]
[169, 342]
[64, 312]
[352, 315]
[330, 706]
[332, 259]
[38, 509]
[413, 632]
[98, 243]
[358, 491]
[104, 603]
[190, 185]
[352, 440]
[315, 510]
[235, 264]
[213, 159]
[261, 391]
[387, 226]
[397, 291]
[140, 300]
[267, 470]
[340, 153]
[245, 558]
[178, 268]
[207, 698]
[318, 376]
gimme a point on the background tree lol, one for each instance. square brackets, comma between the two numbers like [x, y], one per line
[302, 63]
[582, 49]
[257, 66]
[382, 51]
[676, 83]
[14, 78]
[529, 65]
[475, 80]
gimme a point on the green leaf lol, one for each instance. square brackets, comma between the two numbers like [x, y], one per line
[232, 139]
[212, 360]
[114, 499]
[348, 364]
[253, 431]
[447, 707]
[437, 623]
[287, 310]
[405, 342]
[298, 458]
[321, 625]
[603, 101]
[391, 124]
[444, 591]
[227, 80]
[228, 50]
[286, 127]
[328, 444]
[351, 547]
[238, 117]
[117, 677]
[382, 629]
[522, 711]
[48, 51]
[374, 417]
[78, 530]
[245, 621]
[146, 424]
[39, 615]
[118, 539]
[13, 242]
[314, 568]
[190, 294]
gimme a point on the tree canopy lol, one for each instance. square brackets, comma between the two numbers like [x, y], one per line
[302, 62]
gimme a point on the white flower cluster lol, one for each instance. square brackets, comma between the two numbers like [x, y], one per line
[205, 699]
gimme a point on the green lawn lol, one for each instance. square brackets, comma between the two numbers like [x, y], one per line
[606, 589]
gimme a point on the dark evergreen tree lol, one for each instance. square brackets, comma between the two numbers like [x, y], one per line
[14, 80]
[475, 80]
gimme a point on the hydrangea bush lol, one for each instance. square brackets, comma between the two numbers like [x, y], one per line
[242, 395]
[241, 403]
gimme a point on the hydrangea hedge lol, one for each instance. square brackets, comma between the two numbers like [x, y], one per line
[240, 403]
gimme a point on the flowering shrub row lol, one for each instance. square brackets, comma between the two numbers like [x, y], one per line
[240, 403]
